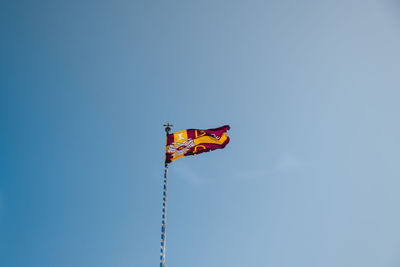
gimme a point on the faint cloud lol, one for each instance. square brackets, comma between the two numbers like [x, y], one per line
[251, 174]
[289, 162]
[284, 163]
[188, 174]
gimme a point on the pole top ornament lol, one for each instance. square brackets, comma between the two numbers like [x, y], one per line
[168, 127]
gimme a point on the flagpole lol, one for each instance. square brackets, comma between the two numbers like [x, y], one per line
[164, 209]
[164, 218]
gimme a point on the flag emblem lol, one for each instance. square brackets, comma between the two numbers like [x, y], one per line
[194, 141]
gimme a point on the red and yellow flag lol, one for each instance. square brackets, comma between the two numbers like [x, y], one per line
[193, 141]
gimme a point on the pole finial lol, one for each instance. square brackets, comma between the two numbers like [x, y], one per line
[168, 128]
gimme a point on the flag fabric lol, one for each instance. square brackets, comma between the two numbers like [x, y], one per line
[194, 141]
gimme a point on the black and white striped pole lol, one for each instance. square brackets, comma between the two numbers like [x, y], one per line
[164, 207]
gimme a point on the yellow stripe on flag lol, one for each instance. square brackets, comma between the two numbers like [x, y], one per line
[210, 140]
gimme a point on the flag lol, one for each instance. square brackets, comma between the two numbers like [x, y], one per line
[194, 141]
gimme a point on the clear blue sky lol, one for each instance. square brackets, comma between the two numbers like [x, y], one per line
[311, 90]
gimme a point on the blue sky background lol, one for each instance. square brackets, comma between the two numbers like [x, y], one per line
[311, 91]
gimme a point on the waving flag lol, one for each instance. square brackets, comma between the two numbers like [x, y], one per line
[193, 142]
